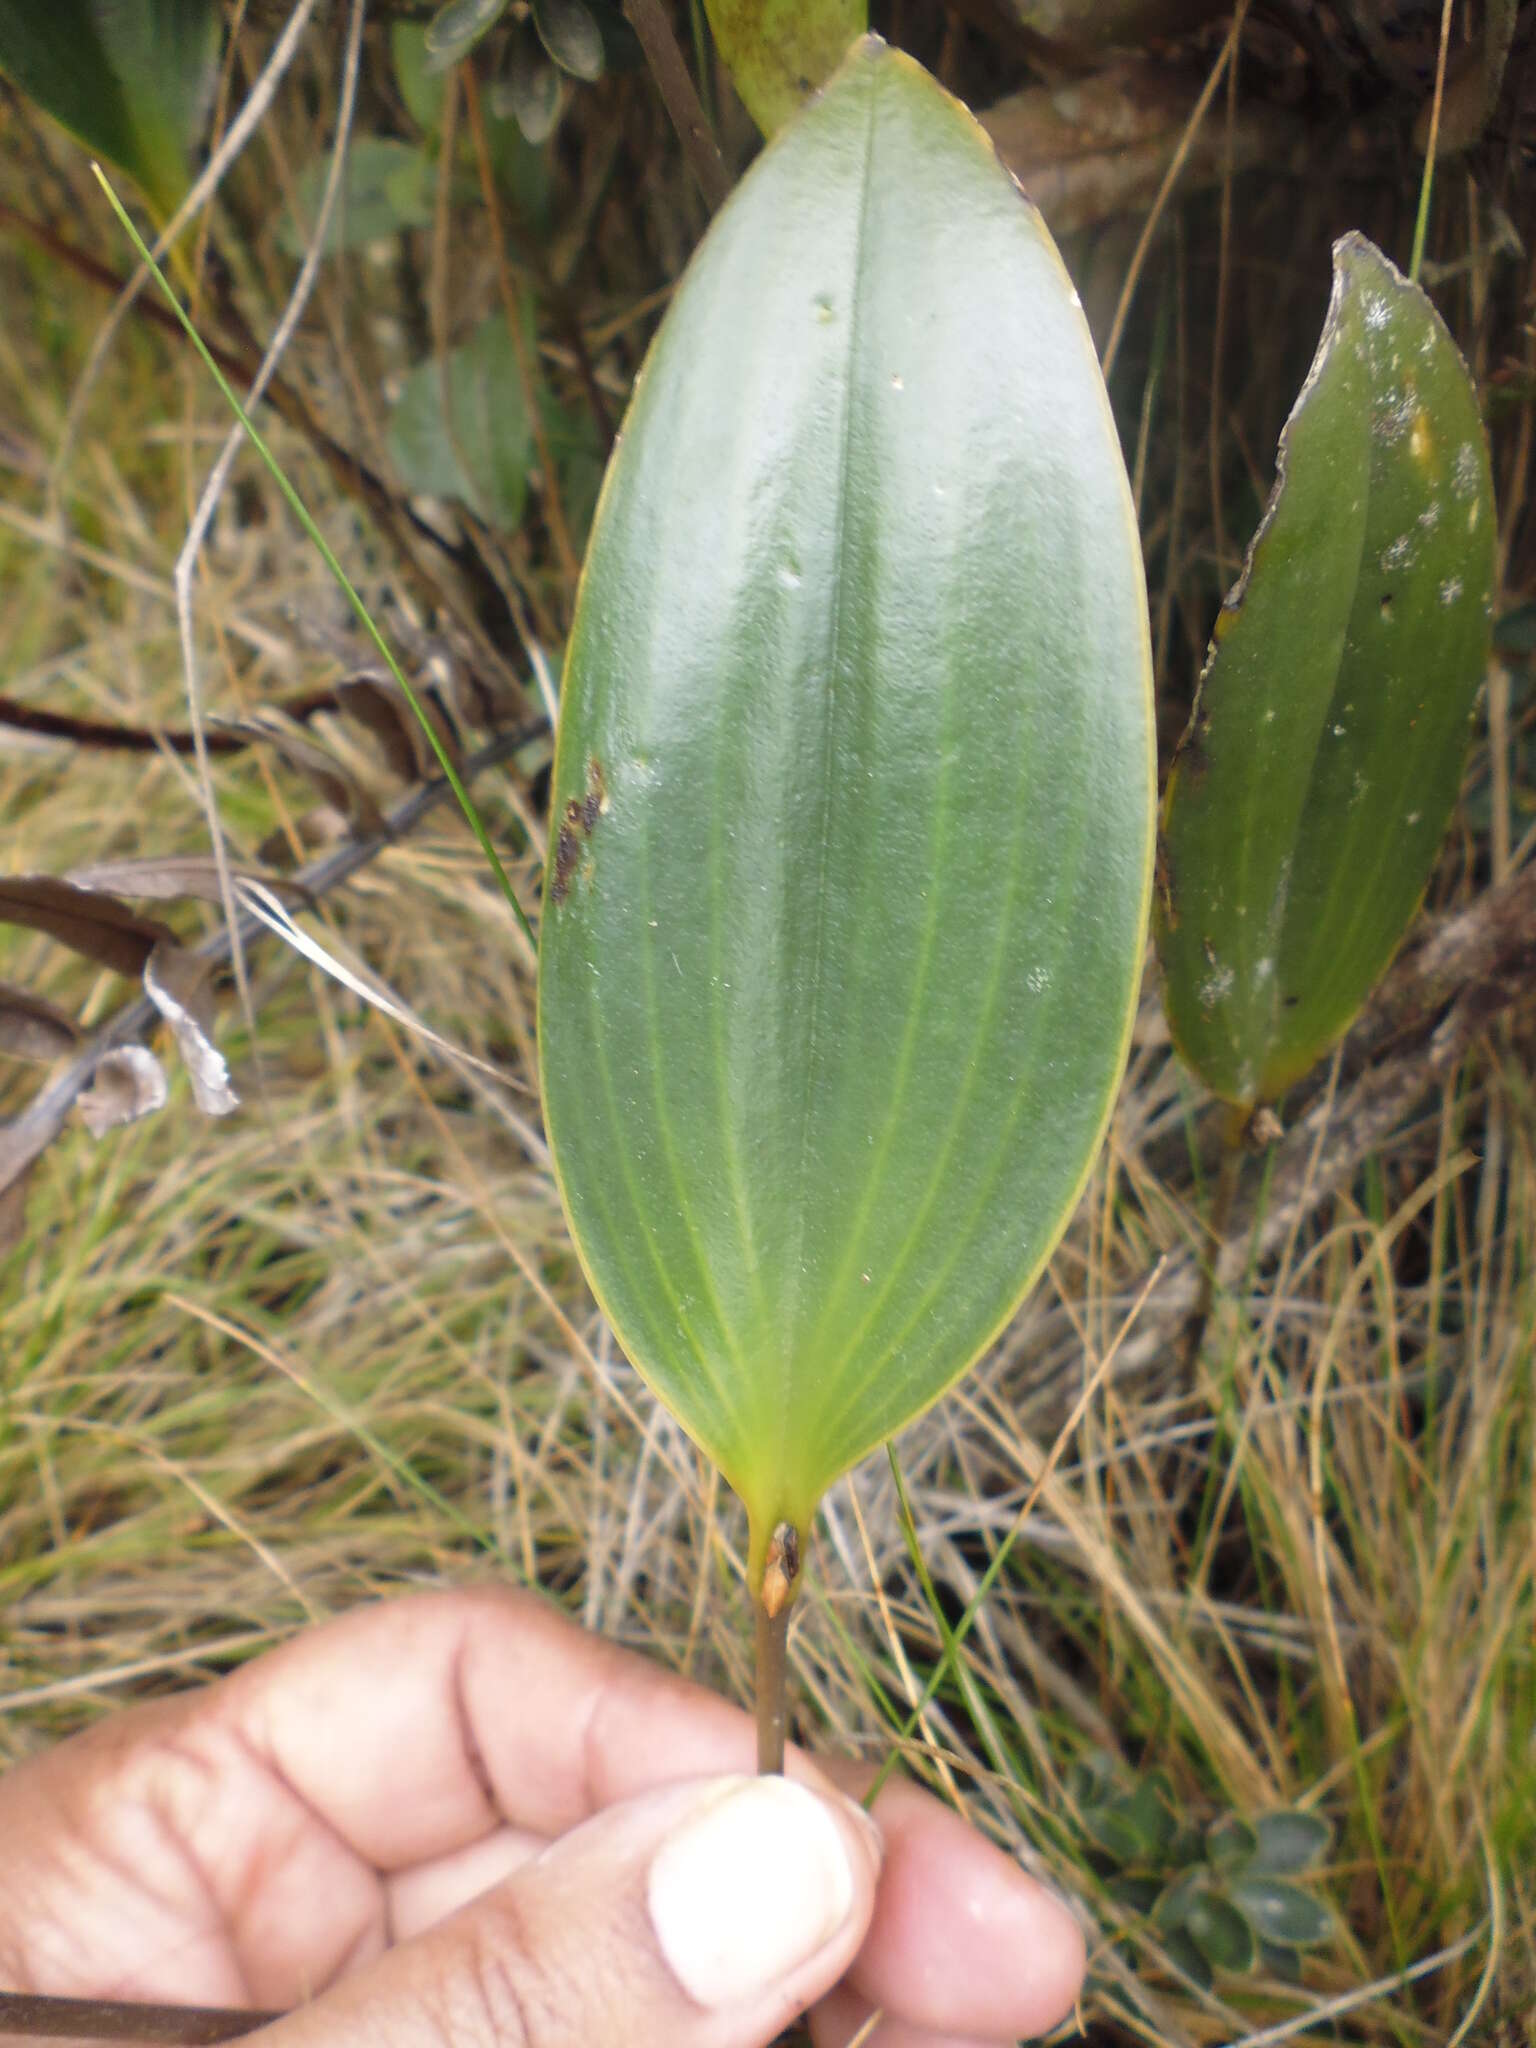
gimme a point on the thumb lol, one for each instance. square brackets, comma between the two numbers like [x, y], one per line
[705, 1915]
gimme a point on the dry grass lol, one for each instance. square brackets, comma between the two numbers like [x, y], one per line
[255, 1372]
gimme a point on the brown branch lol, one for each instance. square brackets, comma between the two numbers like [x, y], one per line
[151, 739]
[1493, 937]
[117, 2019]
[649, 22]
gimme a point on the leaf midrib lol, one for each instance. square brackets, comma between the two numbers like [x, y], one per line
[793, 1319]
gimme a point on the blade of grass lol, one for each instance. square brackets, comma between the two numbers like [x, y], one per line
[952, 1639]
[343, 581]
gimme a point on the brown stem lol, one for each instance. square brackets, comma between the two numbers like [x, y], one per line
[772, 1638]
[1233, 1139]
[781, 1571]
[115, 2019]
[649, 23]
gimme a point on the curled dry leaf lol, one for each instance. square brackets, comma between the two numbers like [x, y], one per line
[168, 877]
[32, 1028]
[376, 700]
[176, 982]
[129, 1082]
[88, 921]
[314, 761]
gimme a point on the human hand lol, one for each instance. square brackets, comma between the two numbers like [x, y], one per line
[459, 1819]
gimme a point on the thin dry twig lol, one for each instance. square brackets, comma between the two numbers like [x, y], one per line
[1170, 178]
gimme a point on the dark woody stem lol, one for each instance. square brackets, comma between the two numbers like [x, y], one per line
[113, 2019]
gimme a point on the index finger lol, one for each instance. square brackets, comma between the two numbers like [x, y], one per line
[413, 1728]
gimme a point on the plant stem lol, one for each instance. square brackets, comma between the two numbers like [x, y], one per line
[772, 1639]
[775, 1593]
[1426, 183]
[1233, 1138]
[114, 2019]
[649, 21]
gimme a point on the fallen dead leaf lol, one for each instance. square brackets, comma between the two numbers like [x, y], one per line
[86, 920]
[168, 877]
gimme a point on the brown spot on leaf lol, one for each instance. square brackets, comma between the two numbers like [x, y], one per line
[567, 853]
[578, 820]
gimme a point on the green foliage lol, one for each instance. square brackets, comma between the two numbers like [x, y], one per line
[849, 868]
[523, 106]
[1310, 795]
[387, 186]
[133, 82]
[779, 51]
[461, 429]
[419, 83]
[528, 90]
[1219, 1896]
[569, 31]
[455, 29]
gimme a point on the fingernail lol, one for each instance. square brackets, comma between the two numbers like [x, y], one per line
[750, 1884]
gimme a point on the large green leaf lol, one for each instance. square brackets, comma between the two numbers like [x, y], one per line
[779, 51]
[1310, 794]
[131, 78]
[853, 796]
